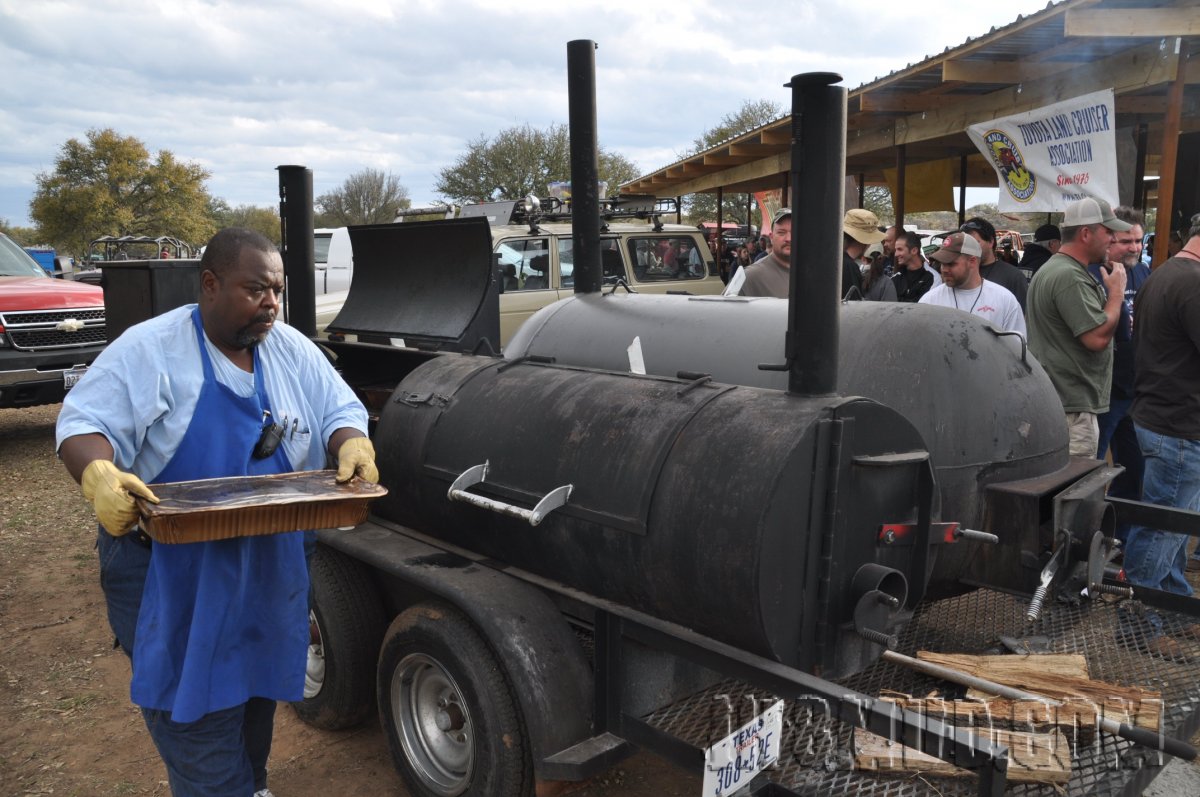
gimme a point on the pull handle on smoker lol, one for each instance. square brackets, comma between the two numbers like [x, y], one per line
[478, 474]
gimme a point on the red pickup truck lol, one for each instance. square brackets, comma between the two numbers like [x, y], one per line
[50, 330]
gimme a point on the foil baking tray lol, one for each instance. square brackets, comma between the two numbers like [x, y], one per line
[243, 506]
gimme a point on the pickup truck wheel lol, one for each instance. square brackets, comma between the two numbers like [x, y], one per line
[451, 719]
[346, 623]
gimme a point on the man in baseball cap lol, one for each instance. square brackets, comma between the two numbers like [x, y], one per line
[964, 288]
[1072, 319]
[770, 275]
[860, 229]
[1046, 240]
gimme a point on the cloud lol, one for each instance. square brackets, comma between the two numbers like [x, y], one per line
[243, 86]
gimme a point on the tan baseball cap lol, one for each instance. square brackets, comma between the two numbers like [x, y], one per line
[862, 226]
[957, 244]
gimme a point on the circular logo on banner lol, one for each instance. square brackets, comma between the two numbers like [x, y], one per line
[1020, 181]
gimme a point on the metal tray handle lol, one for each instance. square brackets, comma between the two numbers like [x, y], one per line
[478, 474]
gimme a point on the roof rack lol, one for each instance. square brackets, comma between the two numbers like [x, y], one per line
[110, 247]
[532, 210]
[445, 211]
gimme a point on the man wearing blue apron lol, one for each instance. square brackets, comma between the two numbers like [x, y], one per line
[217, 631]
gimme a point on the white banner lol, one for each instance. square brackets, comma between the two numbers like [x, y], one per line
[1050, 157]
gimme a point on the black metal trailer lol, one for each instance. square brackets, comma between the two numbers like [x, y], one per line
[518, 630]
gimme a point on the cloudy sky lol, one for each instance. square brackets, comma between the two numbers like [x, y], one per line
[242, 86]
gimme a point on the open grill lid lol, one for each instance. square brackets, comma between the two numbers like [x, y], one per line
[430, 283]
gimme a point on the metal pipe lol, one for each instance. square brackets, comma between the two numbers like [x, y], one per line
[296, 227]
[585, 165]
[818, 174]
[1155, 741]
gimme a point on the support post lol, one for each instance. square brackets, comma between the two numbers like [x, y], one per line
[1170, 155]
[962, 190]
[1139, 169]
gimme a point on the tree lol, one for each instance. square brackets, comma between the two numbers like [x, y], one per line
[752, 114]
[878, 200]
[22, 236]
[367, 197]
[261, 220]
[521, 161]
[110, 185]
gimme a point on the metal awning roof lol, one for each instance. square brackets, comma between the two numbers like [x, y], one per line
[1068, 49]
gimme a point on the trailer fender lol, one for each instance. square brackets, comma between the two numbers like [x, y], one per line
[542, 657]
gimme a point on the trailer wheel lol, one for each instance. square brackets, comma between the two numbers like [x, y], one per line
[346, 623]
[451, 718]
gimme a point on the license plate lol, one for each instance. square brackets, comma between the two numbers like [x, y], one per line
[73, 375]
[734, 761]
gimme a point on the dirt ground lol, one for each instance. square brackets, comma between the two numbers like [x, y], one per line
[66, 724]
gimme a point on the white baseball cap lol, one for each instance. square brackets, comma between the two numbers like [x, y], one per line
[1093, 211]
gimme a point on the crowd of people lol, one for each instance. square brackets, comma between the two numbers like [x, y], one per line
[1132, 397]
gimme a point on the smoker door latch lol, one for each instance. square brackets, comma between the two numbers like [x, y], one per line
[478, 474]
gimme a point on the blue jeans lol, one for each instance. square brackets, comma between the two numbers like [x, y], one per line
[1117, 433]
[1107, 422]
[1155, 558]
[222, 754]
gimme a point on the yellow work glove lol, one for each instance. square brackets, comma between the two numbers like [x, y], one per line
[111, 492]
[356, 457]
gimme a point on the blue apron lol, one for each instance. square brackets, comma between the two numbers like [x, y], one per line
[222, 621]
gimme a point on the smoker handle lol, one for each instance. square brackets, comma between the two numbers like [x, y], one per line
[477, 474]
[1001, 333]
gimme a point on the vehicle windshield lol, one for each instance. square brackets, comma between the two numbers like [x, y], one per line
[321, 242]
[16, 262]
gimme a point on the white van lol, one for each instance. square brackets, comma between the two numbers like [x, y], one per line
[333, 259]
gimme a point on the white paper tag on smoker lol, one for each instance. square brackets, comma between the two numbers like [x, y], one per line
[637, 365]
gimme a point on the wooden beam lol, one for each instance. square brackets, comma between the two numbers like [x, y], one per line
[751, 148]
[746, 172]
[1132, 69]
[777, 136]
[1002, 71]
[1155, 22]
[727, 160]
[979, 42]
[870, 140]
[892, 103]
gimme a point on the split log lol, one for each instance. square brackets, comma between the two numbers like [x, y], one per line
[1075, 718]
[1032, 757]
[1060, 676]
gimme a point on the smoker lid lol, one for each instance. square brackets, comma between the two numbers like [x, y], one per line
[430, 283]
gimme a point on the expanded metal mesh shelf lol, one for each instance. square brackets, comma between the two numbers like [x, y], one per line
[816, 754]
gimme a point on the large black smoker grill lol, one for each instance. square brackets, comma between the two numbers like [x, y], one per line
[688, 526]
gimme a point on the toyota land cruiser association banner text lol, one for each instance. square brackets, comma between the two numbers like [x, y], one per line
[1049, 157]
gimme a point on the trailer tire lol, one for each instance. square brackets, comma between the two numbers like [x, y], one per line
[452, 721]
[346, 621]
